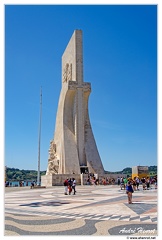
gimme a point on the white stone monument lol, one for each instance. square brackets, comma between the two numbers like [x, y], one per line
[73, 149]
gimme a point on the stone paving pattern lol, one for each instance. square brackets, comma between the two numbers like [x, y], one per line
[94, 210]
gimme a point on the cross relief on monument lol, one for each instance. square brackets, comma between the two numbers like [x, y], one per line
[73, 148]
[73, 85]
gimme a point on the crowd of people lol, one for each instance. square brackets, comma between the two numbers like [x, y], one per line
[70, 185]
[136, 181]
[20, 183]
[122, 182]
[131, 185]
[128, 184]
[93, 180]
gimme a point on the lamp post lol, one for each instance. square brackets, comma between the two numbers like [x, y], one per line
[39, 138]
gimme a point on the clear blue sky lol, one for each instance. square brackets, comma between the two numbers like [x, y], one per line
[120, 61]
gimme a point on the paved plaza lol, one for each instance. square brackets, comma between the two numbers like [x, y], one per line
[94, 210]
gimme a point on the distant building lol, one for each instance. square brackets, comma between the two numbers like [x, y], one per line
[140, 171]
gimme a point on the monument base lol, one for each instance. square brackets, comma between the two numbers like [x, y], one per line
[58, 179]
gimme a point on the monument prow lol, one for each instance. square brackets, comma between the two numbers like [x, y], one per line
[73, 148]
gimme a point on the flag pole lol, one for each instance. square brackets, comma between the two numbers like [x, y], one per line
[39, 139]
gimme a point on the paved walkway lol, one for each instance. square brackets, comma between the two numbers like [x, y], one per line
[94, 210]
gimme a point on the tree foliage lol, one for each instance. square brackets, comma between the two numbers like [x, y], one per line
[15, 174]
[128, 170]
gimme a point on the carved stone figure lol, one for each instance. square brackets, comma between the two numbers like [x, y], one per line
[53, 162]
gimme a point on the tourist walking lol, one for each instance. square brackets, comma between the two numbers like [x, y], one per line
[104, 181]
[88, 181]
[137, 182]
[155, 180]
[129, 191]
[143, 180]
[66, 186]
[32, 185]
[125, 182]
[118, 181]
[134, 184]
[70, 183]
[74, 185]
[93, 181]
[107, 181]
[148, 183]
[122, 185]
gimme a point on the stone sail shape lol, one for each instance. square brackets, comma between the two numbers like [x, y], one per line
[73, 149]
